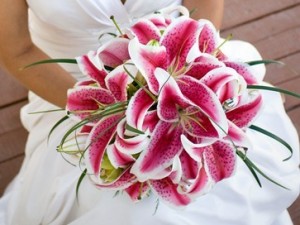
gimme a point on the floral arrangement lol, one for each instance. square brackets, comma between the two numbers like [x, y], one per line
[163, 110]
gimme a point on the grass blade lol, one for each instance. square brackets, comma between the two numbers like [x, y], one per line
[275, 137]
[71, 61]
[132, 129]
[268, 88]
[46, 111]
[56, 125]
[83, 174]
[253, 167]
[264, 61]
[244, 158]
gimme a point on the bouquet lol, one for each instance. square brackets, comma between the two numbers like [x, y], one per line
[163, 110]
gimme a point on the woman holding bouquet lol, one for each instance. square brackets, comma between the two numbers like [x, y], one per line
[44, 190]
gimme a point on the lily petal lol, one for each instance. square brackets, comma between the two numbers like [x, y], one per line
[117, 158]
[125, 180]
[200, 185]
[114, 52]
[99, 138]
[160, 21]
[238, 136]
[202, 65]
[145, 31]
[147, 58]
[138, 191]
[196, 151]
[117, 81]
[151, 120]
[244, 70]
[130, 145]
[244, 115]
[170, 97]
[167, 191]
[91, 66]
[83, 100]
[178, 39]
[189, 166]
[137, 109]
[163, 148]
[208, 38]
[225, 82]
[206, 100]
[220, 160]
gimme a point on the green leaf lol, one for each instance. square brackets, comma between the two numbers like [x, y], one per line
[156, 207]
[264, 61]
[253, 167]
[275, 137]
[56, 125]
[132, 129]
[72, 61]
[83, 174]
[108, 33]
[47, 111]
[243, 157]
[268, 88]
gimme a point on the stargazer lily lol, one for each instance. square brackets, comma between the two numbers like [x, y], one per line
[86, 101]
[180, 112]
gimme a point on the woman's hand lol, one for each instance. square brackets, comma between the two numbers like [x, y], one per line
[206, 9]
[49, 81]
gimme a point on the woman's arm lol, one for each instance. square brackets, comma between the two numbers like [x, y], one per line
[207, 9]
[49, 81]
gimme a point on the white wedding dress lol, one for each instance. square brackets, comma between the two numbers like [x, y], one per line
[44, 190]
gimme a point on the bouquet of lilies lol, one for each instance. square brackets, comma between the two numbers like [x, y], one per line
[163, 110]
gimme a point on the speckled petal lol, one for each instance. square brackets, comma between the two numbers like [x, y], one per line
[200, 185]
[99, 138]
[202, 65]
[195, 150]
[244, 70]
[138, 191]
[82, 100]
[179, 39]
[90, 65]
[220, 160]
[145, 31]
[208, 38]
[150, 121]
[189, 166]
[170, 99]
[244, 115]
[167, 191]
[164, 146]
[147, 58]
[206, 100]
[117, 81]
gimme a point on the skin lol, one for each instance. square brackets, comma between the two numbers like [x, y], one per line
[50, 81]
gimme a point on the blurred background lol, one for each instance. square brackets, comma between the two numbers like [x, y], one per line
[273, 26]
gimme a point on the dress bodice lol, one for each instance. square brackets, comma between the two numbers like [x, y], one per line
[69, 28]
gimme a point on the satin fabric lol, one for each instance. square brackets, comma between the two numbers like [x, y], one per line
[44, 190]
